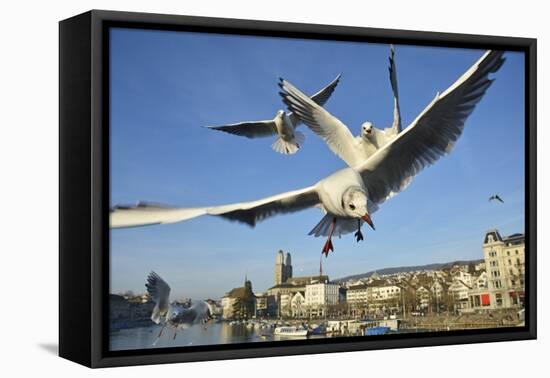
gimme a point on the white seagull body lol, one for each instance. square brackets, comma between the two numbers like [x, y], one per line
[350, 195]
[173, 315]
[284, 125]
[353, 150]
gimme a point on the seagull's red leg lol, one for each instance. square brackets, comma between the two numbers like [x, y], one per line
[328, 245]
[175, 333]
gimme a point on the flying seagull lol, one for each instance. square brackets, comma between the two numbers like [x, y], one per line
[284, 125]
[337, 136]
[349, 196]
[173, 315]
[373, 138]
[495, 197]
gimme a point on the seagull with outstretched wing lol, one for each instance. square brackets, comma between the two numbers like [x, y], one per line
[350, 195]
[353, 150]
[171, 314]
[284, 125]
[496, 197]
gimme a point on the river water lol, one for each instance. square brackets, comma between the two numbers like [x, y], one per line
[209, 334]
[216, 333]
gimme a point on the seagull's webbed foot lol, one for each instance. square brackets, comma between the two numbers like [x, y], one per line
[359, 235]
[327, 247]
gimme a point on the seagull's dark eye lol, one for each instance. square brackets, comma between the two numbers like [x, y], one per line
[352, 206]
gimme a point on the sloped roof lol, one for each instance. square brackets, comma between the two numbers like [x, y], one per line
[307, 279]
[236, 292]
[515, 239]
[460, 282]
[495, 234]
[380, 283]
[282, 286]
[358, 287]
[239, 292]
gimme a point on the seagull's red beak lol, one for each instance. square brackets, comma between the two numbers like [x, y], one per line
[367, 219]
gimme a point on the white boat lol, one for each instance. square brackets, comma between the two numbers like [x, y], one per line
[290, 331]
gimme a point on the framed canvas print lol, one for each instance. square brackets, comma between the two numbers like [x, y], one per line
[233, 188]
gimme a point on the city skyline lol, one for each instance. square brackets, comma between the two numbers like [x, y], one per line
[166, 85]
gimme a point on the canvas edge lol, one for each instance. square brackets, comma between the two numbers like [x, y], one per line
[75, 270]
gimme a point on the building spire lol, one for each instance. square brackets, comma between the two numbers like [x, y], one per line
[320, 267]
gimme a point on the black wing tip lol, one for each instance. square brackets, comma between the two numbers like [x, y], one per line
[138, 205]
[236, 216]
[152, 280]
[217, 128]
[149, 204]
[495, 60]
[153, 276]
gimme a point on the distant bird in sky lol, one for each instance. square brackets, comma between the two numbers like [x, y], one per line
[350, 195]
[495, 197]
[353, 150]
[172, 314]
[284, 125]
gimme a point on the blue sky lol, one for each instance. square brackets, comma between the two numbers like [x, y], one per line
[166, 85]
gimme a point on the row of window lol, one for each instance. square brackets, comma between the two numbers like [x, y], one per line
[508, 253]
[494, 263]
[497, 284]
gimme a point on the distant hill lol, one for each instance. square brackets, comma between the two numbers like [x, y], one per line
[435, 266]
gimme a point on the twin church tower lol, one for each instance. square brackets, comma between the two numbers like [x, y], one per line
[283, 268]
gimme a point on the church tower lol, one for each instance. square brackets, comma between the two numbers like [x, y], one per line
[280, 270]
[288, 267]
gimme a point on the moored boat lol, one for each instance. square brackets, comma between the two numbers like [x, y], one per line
[374, 331]
[290, 331]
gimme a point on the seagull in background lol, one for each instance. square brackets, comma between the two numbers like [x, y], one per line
[373, 136]
[349, 196]
[172, 314]
[495, 197]
[353, 150]
[284, 125]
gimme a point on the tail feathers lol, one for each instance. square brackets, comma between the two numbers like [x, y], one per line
[343, 226]
[299, 137]
[287, 148]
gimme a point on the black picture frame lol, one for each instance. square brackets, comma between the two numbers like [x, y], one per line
[84, 187]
